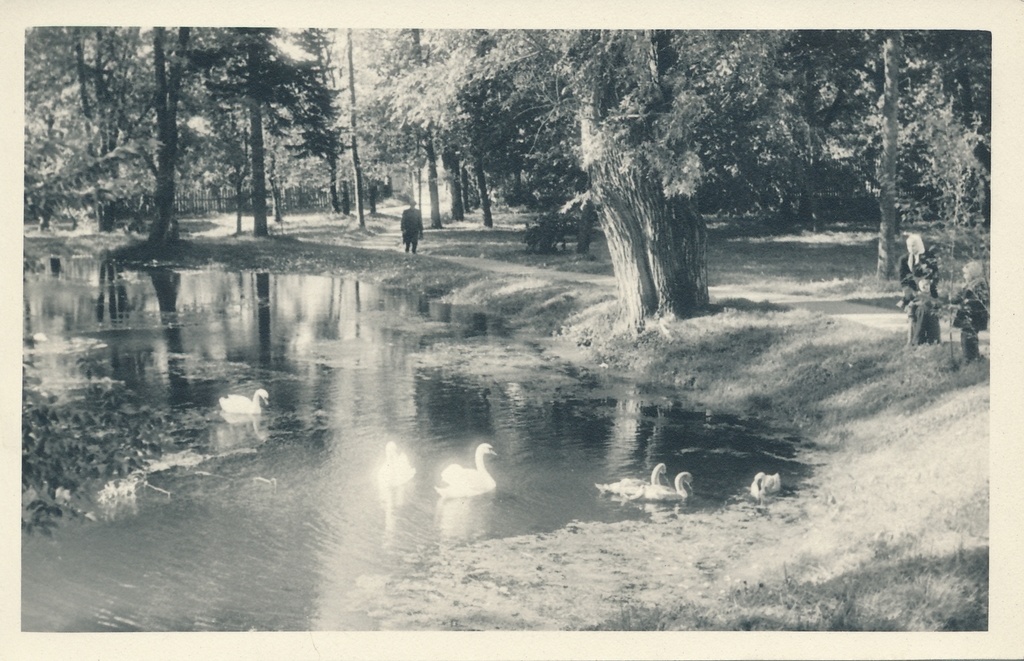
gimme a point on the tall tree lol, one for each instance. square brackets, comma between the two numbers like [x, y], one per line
[889, 225]
[168, 86]
[357, 169]
[246, 66]
[319, 113]
[427, 138]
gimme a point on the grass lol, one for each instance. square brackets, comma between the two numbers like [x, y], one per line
[894, 530]
[908, 593]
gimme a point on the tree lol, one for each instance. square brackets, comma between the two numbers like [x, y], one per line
[890, 150]
[427, 141]
[246, 66]
[357, 169]
[635, 120]
[168, 86]
[85, 129]
[319, 119]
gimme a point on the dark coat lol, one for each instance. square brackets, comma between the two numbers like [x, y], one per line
[412, 223]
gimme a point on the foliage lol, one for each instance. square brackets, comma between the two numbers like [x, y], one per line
[742, 121]
[72, 445]
[86, 138]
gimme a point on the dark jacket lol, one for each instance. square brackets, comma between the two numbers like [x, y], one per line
[412, 223]
[972, 307]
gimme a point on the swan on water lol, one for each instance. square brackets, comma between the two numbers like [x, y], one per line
[629, 486]
[461, 482]
[396, 469]
[239, 404]
[765, 485]
[681, 488]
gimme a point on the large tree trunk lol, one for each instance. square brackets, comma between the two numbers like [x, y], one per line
[658, 244]
[357, 169]
[481, 184]
[450, 160]
[890, 150]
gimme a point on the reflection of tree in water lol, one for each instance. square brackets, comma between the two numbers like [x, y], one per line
[263, 316]
[451, 409]
[113, 294]
[167, 283]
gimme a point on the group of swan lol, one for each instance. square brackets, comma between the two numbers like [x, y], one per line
[459, 481]
[632, 488]
[462, 482]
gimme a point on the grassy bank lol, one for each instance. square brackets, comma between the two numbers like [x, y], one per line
[891, 532]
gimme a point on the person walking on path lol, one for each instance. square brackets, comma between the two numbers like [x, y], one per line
[412, 227]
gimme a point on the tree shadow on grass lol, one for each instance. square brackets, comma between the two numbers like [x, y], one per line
[948, 592]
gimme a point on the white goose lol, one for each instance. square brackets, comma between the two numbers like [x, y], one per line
[396, 469]
[461, 482]
[765, 485]
[629, 486]
[239, 404]
[681, 489]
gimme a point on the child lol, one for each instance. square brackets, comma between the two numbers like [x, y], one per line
[971, 309]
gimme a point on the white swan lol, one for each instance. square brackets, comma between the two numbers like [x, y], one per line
[239, 404]
[629, 486]
[461, 482]
[765, 485]
[396, 469]
[681, 489]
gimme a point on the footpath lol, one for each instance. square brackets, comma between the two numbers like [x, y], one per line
[894, 320]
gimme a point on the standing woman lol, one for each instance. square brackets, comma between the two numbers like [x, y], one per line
[919, 277]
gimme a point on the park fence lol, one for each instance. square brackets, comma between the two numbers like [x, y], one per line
[212, 201]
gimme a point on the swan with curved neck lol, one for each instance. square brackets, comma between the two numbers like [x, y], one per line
[240, 404]
[629, 486]
[461, 482]
[396, 469]
[681, 489]
[765, 485]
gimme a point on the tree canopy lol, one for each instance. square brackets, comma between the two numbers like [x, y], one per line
[660, 127]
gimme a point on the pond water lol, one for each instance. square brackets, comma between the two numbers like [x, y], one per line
[266, 523]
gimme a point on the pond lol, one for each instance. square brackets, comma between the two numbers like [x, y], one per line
[265, 523]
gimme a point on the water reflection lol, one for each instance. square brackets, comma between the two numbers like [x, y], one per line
[464, 519]
[114, 290]
[274, 518]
